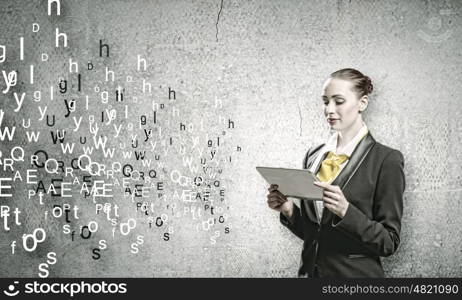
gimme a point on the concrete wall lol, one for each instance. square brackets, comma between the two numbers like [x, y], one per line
[266, 62]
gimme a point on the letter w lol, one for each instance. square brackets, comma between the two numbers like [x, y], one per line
[127, 154]
[100, 142]
[188, 162]
[8, 132]
[59, 136]
[88, 150]
[140, 154]
[108, 152]
[146, 162]
[67, 147]
[32, 135]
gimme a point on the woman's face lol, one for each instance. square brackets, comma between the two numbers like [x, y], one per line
[341, 104]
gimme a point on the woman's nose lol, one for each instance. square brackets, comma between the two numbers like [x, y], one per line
[330, 108]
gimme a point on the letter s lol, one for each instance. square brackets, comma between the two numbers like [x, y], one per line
[96, 254]
[102, 244]
[166, 236]
[43, 267]
[51, 258]
[122, 288]
[66, 228]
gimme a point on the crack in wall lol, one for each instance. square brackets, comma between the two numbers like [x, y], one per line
[300, 113]
[218, 19]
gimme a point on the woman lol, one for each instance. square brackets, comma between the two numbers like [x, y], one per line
[359, 217]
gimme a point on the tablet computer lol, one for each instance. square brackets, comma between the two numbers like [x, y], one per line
[296, 183]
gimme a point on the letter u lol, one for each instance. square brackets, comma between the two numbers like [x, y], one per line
[28, 123]
[48, 122]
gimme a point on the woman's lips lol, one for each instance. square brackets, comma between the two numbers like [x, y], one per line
[331, 121]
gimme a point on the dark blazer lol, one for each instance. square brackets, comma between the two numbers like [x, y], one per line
[373, 183]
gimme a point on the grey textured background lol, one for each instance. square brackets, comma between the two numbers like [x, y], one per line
[266, 60]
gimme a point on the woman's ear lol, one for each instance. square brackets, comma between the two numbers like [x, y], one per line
[363, 102]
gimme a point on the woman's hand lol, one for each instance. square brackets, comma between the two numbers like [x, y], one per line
[279, 202]
[333, 198]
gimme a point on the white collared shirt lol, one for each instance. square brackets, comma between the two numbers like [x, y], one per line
[331, 145]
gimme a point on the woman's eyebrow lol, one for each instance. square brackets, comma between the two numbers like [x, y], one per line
[333, 96]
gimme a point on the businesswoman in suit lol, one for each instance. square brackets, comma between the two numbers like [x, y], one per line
[359, 218]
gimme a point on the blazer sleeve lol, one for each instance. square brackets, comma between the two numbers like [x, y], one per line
[295, 223]
[382, 234]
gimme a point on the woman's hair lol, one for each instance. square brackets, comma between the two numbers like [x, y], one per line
[361, 83]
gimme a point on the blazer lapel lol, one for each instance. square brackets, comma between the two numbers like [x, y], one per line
[357, 157]
[312, 157]
[309, 205]
[319, 165]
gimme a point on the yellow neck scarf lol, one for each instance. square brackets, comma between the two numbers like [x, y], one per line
[331, 166]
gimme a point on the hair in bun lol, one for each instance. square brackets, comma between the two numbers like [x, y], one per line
[369, 87]
[361, 83]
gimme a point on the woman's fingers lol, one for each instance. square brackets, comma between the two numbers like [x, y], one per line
[281, 195]
[274, 203]
[273, 187]
[330, 200]
[331, 195]
[277, 193]
[327, 186]
[276, 198]
[329, 206]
